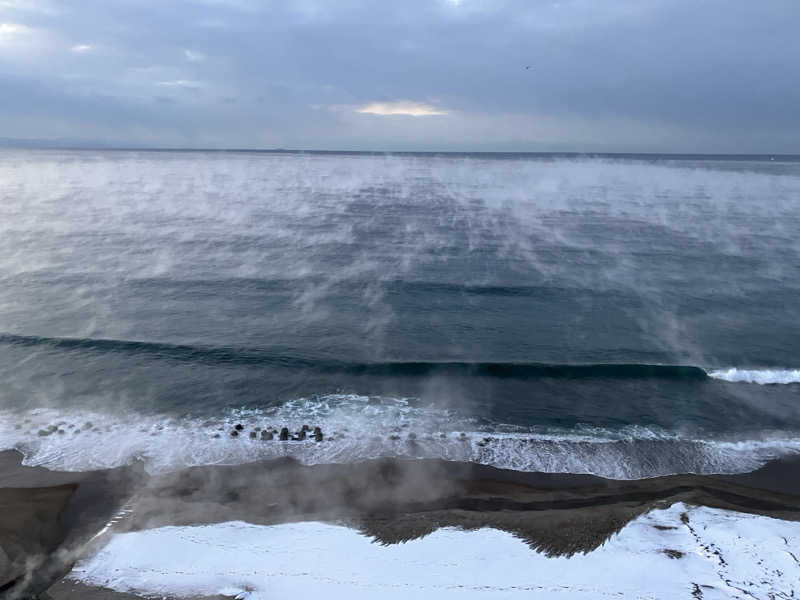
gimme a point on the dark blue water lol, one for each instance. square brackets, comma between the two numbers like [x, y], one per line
[627, 316]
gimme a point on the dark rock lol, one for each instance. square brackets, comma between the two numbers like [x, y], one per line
[394, 437]
[253, 435]
[317, 434]
[216, 435]
[284, 435]
[235, 433]
[301, 435]
[673, 553]
[239, 427]
[267, 435]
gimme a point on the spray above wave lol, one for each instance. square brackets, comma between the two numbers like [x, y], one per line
[760, 376]
[359, 428]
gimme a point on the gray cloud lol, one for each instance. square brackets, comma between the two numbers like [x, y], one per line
[622, 75]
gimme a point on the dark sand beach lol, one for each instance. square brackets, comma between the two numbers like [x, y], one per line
[51, 519]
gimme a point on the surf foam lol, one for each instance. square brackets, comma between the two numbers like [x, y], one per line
[672, 553]
[359, 428]
[760, 376]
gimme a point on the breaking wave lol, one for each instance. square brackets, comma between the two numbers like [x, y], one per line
[503, 370]
[268, 357]
[760, 376]
[359, 428]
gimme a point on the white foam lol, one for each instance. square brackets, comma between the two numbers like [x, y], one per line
[721, 554]
[371, 428]
[760, 376]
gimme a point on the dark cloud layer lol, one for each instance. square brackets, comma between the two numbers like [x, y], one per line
[622, 75]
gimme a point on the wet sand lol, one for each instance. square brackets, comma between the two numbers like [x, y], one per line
[48, 519]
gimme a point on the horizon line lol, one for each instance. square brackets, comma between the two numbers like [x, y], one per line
[23, 144]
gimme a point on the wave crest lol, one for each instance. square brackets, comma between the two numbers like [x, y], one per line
[759, 376]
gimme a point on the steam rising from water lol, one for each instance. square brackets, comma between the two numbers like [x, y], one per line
[326, 223]
[395, 258]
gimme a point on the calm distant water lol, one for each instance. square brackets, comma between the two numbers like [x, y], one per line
[622, 316]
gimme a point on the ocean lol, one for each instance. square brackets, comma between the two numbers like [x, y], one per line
[624, 316]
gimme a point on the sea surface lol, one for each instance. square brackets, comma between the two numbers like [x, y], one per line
[628, 316]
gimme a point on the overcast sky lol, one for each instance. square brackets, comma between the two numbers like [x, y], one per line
[605, 75]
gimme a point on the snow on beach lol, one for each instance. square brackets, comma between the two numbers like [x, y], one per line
[676, 552]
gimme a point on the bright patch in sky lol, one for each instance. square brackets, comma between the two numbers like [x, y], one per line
[180, 83]
[401, 107]
[81, 48]
[193, 56]
[11, 31]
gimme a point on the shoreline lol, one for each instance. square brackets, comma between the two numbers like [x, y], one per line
[389, 500]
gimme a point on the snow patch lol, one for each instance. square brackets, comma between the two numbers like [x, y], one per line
[666, 554]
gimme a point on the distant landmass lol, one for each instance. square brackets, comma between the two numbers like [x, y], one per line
[89, 144]
[52, 143]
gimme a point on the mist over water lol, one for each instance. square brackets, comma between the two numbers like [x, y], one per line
[191, 290]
